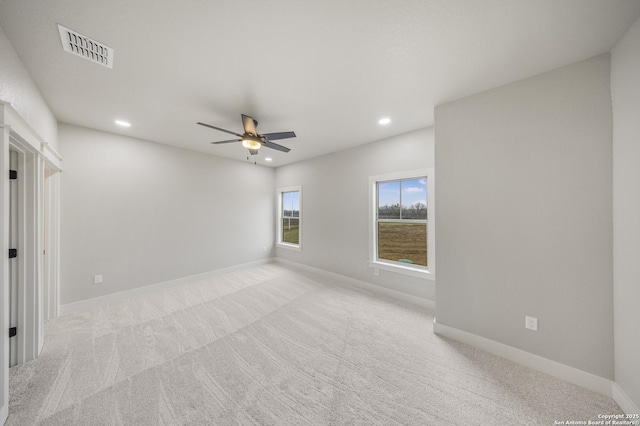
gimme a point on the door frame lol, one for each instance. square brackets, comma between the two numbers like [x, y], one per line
[34, 155]
[51, 242]
[29, 245]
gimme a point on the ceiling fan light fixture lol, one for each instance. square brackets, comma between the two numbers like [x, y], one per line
[251, 144]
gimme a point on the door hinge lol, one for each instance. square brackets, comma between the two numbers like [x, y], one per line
[13, 331]
[13, 174]
[13, 253]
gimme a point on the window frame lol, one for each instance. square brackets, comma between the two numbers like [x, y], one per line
[390, 265]
[279, 215]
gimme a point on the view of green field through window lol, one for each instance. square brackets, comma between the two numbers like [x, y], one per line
[291, 217]
[402, 221]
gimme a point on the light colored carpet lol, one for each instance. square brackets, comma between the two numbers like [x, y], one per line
[270, 345]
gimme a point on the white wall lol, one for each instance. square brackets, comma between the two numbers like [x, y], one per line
[335, 207]
[524, 220]
[625, 91]
[141, 213]
[17, 88]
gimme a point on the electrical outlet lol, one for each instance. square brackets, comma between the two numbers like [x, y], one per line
[376, 272]
[531, 323]
[97, 279]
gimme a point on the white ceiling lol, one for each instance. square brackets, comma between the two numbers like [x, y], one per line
[327, 70]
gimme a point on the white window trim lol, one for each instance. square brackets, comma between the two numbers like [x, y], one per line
[279, 243]
[416, 271]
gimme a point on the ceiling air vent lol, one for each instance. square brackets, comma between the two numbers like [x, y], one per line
[80, 45]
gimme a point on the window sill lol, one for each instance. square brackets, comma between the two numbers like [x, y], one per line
[293, 247]
[401, 269]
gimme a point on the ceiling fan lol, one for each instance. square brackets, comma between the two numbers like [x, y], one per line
[251, 139]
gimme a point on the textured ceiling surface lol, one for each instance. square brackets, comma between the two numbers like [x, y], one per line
[327, 70]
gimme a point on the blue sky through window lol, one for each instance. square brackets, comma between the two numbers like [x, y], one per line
[291, 203]
[413, 191]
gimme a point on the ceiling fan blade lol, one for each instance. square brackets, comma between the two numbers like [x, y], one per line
[222, 130]
[253, 151]
[249, 125]
[229, 141]
[275, 146]
[279, 135]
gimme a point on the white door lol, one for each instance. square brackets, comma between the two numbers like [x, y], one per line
[13, 263]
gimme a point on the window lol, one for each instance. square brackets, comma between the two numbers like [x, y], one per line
[401, 213]
[289, 217]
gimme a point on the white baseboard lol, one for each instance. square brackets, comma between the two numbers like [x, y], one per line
[621, 398]
[394, 294]
[126, 294]
[570, 374]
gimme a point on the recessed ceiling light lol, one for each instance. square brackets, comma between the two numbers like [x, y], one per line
[268, 159]
[123, 123]
[384, 121]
